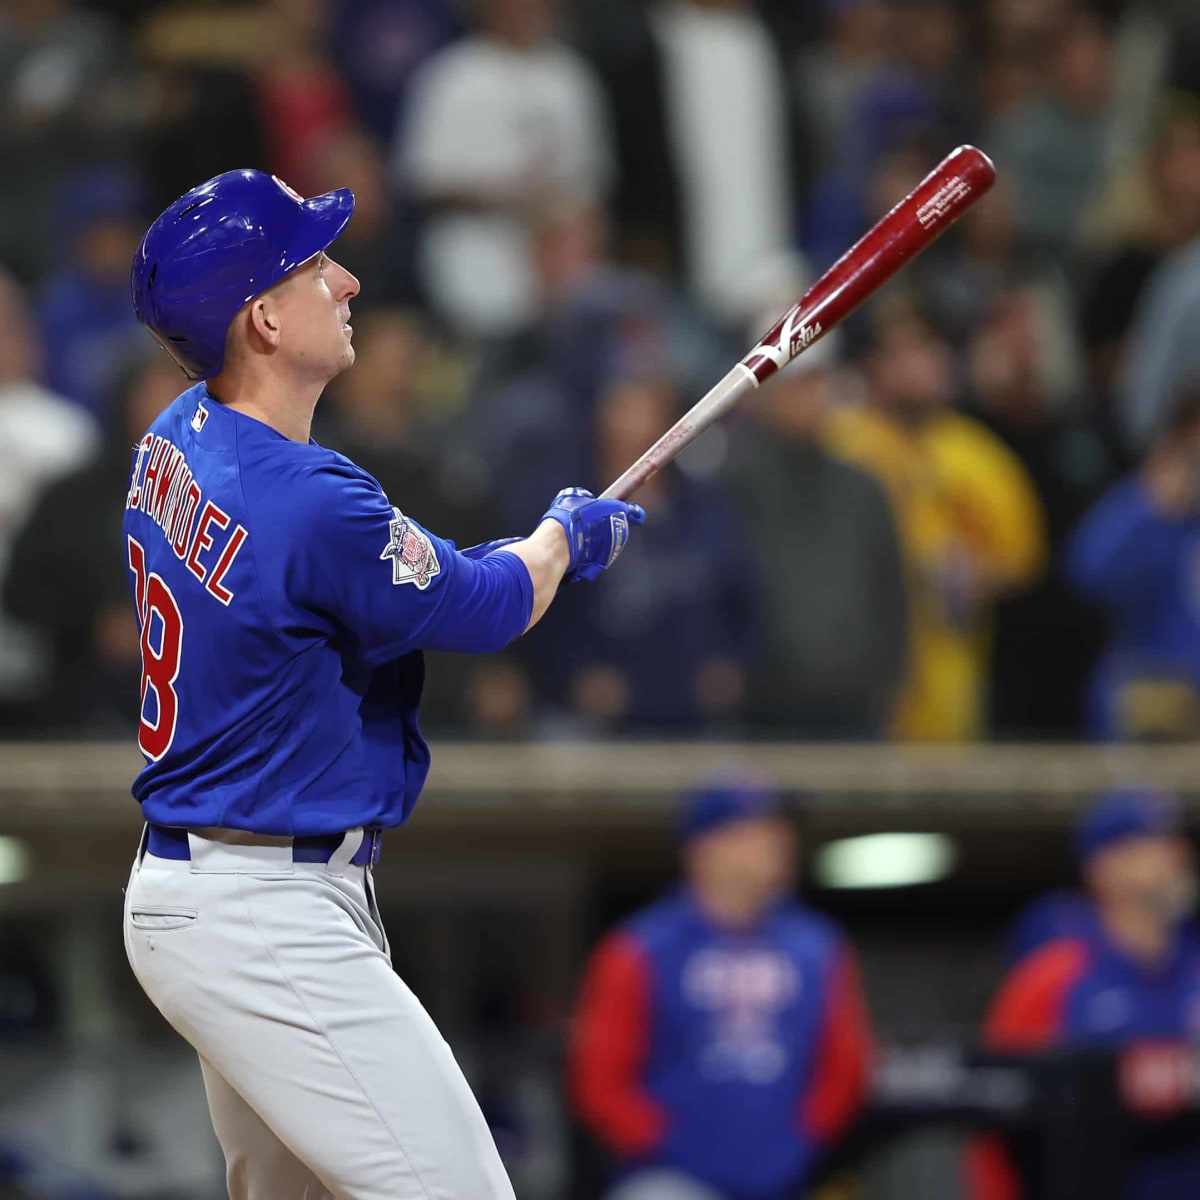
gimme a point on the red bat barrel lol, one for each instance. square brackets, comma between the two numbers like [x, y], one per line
[937, 202]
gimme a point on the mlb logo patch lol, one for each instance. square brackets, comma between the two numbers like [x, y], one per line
[413, 557]
[199, 417]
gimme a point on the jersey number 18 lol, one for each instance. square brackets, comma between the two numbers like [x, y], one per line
[162, 649]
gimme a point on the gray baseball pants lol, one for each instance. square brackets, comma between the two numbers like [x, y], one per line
[325, 1076]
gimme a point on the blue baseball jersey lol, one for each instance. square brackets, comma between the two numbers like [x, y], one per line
[1081, 990]
[733, 1056]
[283, 603]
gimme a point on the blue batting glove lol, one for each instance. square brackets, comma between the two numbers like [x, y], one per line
[596, 530]
[485, 548]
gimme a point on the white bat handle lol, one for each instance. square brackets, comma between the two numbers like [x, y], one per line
[711, 408]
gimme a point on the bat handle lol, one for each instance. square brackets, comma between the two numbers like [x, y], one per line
[715, 404]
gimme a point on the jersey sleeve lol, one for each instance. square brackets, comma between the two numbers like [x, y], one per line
[354, 565]
[838, 1085]
[609, 1044]
[1026, 1016]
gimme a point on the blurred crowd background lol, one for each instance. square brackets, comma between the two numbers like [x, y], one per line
[955, 519]
[972, 515]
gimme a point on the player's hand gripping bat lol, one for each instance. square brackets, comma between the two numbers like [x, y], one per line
[922, 216]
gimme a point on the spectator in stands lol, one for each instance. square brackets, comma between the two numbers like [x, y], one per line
[712, 174]
[379, 45]
[302, 100]
[42, 436]
[834, 74]
[666, 652]
[500, 125]
[1054, 143]
[56, 57]
[88, 325]
[1162, 353]
[531, 417]
[905, 107]
[68, 580]
[197, 100]
[1044, 645]
[1137, 556]
[721, 1044]
[970, 522]
[1149, 214]
[832, 629]
[257, 70]
[1130, 973]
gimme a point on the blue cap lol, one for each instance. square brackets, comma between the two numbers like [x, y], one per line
[1122, 813]
[218, 246]
[721, 800]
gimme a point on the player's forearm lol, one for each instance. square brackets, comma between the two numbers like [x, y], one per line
[546, 558]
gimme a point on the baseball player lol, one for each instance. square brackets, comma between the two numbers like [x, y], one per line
[721, 1042]
[1127, 970]
[284, 603]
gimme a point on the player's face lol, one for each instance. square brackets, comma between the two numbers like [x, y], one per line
[314, 308]
[1156, 873]
[754, 857]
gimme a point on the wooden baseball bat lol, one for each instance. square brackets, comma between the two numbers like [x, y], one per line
[921, 217]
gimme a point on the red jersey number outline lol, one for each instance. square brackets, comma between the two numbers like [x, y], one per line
[160, 666]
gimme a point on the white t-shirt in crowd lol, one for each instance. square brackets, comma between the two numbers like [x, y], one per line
[485, 116]
[42, 436]
[726, 118]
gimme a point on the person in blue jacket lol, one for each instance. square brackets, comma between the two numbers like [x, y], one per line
[1137, 555]
[721, 1043]
[1128, 973]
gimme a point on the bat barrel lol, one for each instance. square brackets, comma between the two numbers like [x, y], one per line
[933, 206]
[922, 216]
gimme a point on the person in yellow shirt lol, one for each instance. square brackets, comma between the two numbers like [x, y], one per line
[970, 521]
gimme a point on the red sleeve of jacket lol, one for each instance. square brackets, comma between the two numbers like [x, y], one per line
[1026, 1016]
[609, 1044]
[840, 1075]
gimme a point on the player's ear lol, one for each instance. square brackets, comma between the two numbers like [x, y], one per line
[264, 320]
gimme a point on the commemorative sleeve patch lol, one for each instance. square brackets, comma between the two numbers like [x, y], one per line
[414, 559]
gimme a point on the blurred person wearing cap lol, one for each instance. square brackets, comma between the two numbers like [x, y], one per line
[1128, 971]
[970, 521]
[1136, 556]
[721, 1044]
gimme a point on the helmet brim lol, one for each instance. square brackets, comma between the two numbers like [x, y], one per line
[326, 218]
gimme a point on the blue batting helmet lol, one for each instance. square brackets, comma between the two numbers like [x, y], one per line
[216, 247]
[725, 797]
